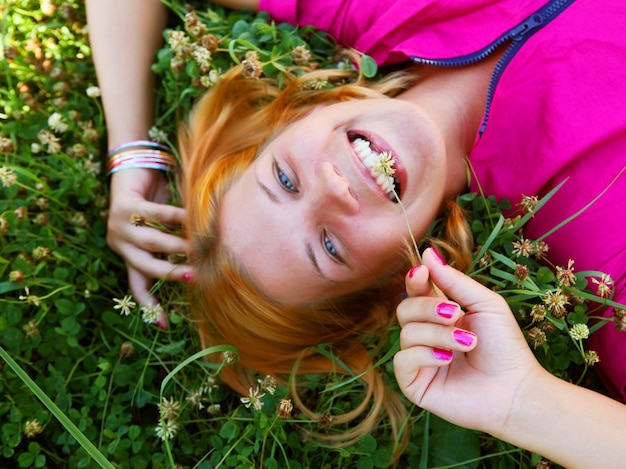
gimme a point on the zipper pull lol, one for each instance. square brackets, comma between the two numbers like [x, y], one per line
[527, 26]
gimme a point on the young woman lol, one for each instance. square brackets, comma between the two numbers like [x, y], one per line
[296, 236]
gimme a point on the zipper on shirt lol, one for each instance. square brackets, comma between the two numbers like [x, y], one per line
[516, 37]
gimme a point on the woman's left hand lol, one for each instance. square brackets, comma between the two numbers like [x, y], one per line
[464, 366]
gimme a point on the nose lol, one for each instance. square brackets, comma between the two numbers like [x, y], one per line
[332, 191]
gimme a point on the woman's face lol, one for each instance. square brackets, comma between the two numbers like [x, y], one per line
[308, 219]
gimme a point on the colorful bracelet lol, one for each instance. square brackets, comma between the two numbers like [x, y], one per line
[142, 154]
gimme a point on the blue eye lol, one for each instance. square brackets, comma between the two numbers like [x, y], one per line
[329, 246]
[284, 180]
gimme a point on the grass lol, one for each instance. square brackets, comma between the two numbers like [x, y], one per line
[82, 385]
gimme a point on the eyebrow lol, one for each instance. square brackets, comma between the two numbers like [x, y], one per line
[272, 196]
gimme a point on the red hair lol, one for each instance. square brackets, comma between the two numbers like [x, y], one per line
[222, 138]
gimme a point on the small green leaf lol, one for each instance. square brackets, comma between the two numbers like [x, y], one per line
[368, 66]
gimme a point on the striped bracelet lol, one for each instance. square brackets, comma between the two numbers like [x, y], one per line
[142, 154]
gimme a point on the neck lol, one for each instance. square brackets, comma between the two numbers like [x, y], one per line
[455, 99]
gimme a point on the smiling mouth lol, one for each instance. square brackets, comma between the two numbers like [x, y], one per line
[381, 165]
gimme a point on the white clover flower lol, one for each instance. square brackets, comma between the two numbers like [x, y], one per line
[30, 299]
[384, 164]
[7, 176]
[166, 430]
[268, 384]
[56, 123]
[169, 409]
[93, 92]
[201, 55]
[228, 358]
[195, 398]
[178, 41]
[32, 428]
[254, 399]
[214, 409]
[579, 331]
[214, 76]
[92, 167]
[150, 314]
[124, 305]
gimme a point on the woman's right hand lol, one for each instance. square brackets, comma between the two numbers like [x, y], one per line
[143, 192]
[465, 366]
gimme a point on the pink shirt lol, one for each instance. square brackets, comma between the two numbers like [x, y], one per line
[558, 112]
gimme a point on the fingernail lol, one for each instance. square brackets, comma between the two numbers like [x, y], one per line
[464, 337]
[413, 270]
[441, 354]
[446, 310]
[187, 276]
[162, 322]
[438, 257]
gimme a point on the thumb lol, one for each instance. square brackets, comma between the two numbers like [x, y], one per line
[458, 286]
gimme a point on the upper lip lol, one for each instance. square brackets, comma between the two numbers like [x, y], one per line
[380, 145]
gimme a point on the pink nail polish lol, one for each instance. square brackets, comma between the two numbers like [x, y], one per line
[162, 323]
[413, 270]
[441, 354]
[464, 337]
[187, 276]
[438, 257]
[446, 310]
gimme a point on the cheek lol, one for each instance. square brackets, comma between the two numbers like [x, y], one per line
[383, 254]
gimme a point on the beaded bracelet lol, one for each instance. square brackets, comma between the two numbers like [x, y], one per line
[142, 154]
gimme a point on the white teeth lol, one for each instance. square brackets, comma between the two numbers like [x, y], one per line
[371, 159]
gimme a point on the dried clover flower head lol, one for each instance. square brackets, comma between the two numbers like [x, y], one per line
[620, 319]
[268, 384]
[252, 67]
[16, 276]
[521, 272]
[284, 409]
[6, 145]
[127, 349]
[30, 329]
[604, 286]
[210, 42]
[4, 225]
[556, 302]
[566, 276]
[538, 313]
[591, 358]
[301, 55]
[536, 337]
[528, 204]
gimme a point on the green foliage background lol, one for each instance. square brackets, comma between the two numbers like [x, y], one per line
[106, 372]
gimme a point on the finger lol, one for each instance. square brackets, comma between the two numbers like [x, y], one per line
[140, 287]
[437, 337]
[152, 268]
[428, 309]
[417, 282]
[152, 240]
[163, 213]
[417, 365]
[460, 287]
